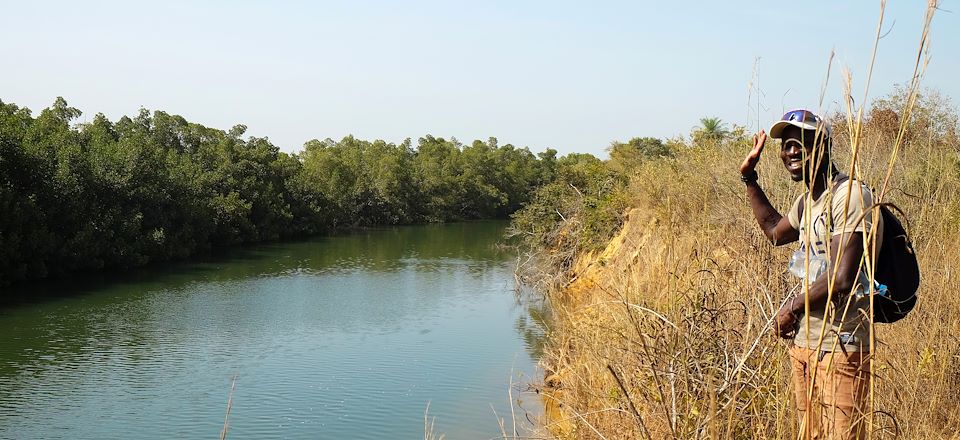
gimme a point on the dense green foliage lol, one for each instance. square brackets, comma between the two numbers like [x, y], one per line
[585, 201]
[156, 187]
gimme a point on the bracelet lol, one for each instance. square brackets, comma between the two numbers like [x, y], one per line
[793, 310]
[750, 177]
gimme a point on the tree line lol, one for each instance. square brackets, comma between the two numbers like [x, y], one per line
[156, 187]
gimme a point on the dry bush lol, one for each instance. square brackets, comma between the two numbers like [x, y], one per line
[666, 333]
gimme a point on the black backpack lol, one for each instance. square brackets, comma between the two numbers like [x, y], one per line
[896, 266]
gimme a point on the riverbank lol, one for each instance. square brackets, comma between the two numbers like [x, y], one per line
[663, 333]
[81, 196]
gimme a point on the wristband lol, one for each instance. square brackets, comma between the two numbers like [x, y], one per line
[750, 177]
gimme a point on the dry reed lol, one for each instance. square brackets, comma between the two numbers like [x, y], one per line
[226, 417]
[665, 334]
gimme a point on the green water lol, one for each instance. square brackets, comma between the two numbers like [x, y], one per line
[338, 337]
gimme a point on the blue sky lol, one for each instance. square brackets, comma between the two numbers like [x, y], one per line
[568, 75]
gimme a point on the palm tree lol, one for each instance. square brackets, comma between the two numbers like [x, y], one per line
[710, 129]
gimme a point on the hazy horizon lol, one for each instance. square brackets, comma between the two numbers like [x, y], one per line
[537, 75]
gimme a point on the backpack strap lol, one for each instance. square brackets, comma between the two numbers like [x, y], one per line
[837, 181]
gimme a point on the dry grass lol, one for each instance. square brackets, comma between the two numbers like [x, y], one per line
[678, 310]
[665, 334]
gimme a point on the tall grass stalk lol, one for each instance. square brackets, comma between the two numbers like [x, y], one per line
[665, 333]
[226, 418]
[428, 426]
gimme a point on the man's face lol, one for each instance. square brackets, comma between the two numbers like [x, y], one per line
[796, 152]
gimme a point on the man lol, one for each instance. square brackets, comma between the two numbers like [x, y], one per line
[829, 318]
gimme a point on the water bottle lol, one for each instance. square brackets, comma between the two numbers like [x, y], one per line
[799, 265]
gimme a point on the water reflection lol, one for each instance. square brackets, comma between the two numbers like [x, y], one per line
[328, 337]
[428, 247]
[532, 325]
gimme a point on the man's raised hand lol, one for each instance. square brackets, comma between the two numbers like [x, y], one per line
[750, 162]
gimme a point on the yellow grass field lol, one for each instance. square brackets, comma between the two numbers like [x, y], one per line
[665, 332]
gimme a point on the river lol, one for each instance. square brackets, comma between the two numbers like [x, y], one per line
[342, 337]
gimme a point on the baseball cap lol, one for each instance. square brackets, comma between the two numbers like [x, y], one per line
[804, 119]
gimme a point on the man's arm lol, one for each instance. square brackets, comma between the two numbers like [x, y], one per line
[775, 227]
[845, 270]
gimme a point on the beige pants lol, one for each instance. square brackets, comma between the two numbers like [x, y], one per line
[831, 394]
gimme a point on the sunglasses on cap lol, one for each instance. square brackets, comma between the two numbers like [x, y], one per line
[801, 116]
[803, 119]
